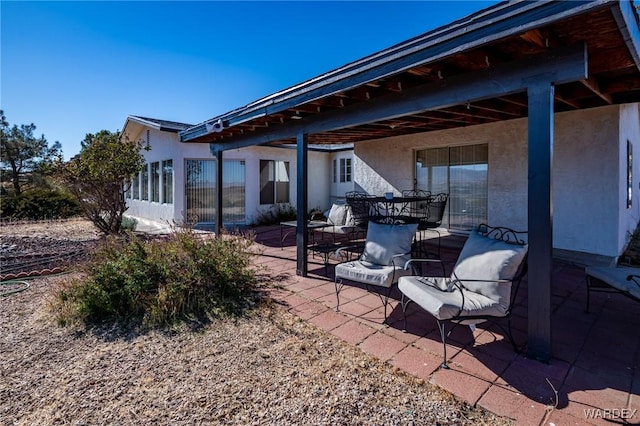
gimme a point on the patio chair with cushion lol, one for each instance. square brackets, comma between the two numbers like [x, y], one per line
[621, 280]
[336, 223]
[387, 249]
[482, 286]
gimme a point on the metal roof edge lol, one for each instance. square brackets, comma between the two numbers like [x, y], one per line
[157, 123]
[339, 79]
[142, 121]
[627, 19]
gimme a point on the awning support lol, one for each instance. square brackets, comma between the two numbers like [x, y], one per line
[302, 197]
[219, 224]
[540, 217]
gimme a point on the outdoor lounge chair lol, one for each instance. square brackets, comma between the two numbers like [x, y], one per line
[622, 280]
[338, 222]
[482, 286]
[386, 251]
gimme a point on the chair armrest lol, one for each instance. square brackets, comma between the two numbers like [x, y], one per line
[458, 281]
[422, 260]
[425, 260]
[347, 249]
[635, 279]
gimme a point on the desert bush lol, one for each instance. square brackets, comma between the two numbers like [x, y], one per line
[160, 282]
[39, 204]
[129, 224]
[280, 212]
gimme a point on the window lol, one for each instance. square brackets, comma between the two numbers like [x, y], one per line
[274, 182]
[629, 174]
[144, 183]
[233, 191]
[462, 172]
[127, 189]
[345, 170]
[155, 182]
[167, 181]
[135, 187]
[200, 191]
[335, 171]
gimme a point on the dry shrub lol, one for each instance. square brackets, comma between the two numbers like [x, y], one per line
[160, 282]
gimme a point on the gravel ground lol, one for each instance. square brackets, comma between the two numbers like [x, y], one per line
[269, 367]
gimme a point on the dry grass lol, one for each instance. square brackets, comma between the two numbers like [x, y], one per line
[268, 367]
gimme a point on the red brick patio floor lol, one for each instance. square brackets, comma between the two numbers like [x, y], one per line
[593, 377]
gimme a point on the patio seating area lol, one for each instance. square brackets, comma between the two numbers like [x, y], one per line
[592, 378]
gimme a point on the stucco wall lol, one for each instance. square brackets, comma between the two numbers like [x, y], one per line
[585, 170]
[629, 131]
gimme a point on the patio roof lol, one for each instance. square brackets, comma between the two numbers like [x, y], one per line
[512, 60]
[480, 44]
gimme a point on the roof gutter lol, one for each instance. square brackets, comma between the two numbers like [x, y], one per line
[627, 20]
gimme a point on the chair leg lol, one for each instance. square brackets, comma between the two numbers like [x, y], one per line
[383, 297]
[338, 283]
[404, 304]
[510, 336]
[588, 293]
[443, 335]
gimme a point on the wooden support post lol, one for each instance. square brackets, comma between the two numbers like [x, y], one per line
[219, 224]
[302, 236]
[540, 214]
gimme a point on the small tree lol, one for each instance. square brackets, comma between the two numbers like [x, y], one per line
[100, 175]
[24, 157]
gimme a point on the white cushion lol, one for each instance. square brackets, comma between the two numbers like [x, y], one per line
[370, 273]
[445, 305]
[485, 258]
[337, 214]
[384, 241]
[348, 220]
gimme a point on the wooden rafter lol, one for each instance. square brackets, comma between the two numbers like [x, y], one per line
[593, 85]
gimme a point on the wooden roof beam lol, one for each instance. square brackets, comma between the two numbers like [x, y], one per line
[536, 38]
[592, 84]
[561, 66]
[511, 100]
[558, 97]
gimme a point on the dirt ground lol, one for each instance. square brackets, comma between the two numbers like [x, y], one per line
[268, 367]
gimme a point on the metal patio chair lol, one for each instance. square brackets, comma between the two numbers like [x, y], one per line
[386, 252]
[483, 285]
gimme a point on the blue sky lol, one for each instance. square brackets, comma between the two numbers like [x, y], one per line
[73, 68]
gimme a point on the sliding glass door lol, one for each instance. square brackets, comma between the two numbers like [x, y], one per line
[461, 172]
[200, 187]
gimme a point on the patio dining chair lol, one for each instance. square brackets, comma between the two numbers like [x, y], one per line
[430, 217]
[360, 211]
[483, 285]
[386, 251]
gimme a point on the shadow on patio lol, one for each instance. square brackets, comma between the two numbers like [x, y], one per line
[592, 378]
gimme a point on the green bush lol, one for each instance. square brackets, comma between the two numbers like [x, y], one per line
[39, 204]
[129, 224]
[161, 282]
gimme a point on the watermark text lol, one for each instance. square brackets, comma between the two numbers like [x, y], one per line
[610, 413]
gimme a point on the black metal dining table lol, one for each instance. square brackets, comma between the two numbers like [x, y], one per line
[402, 208]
